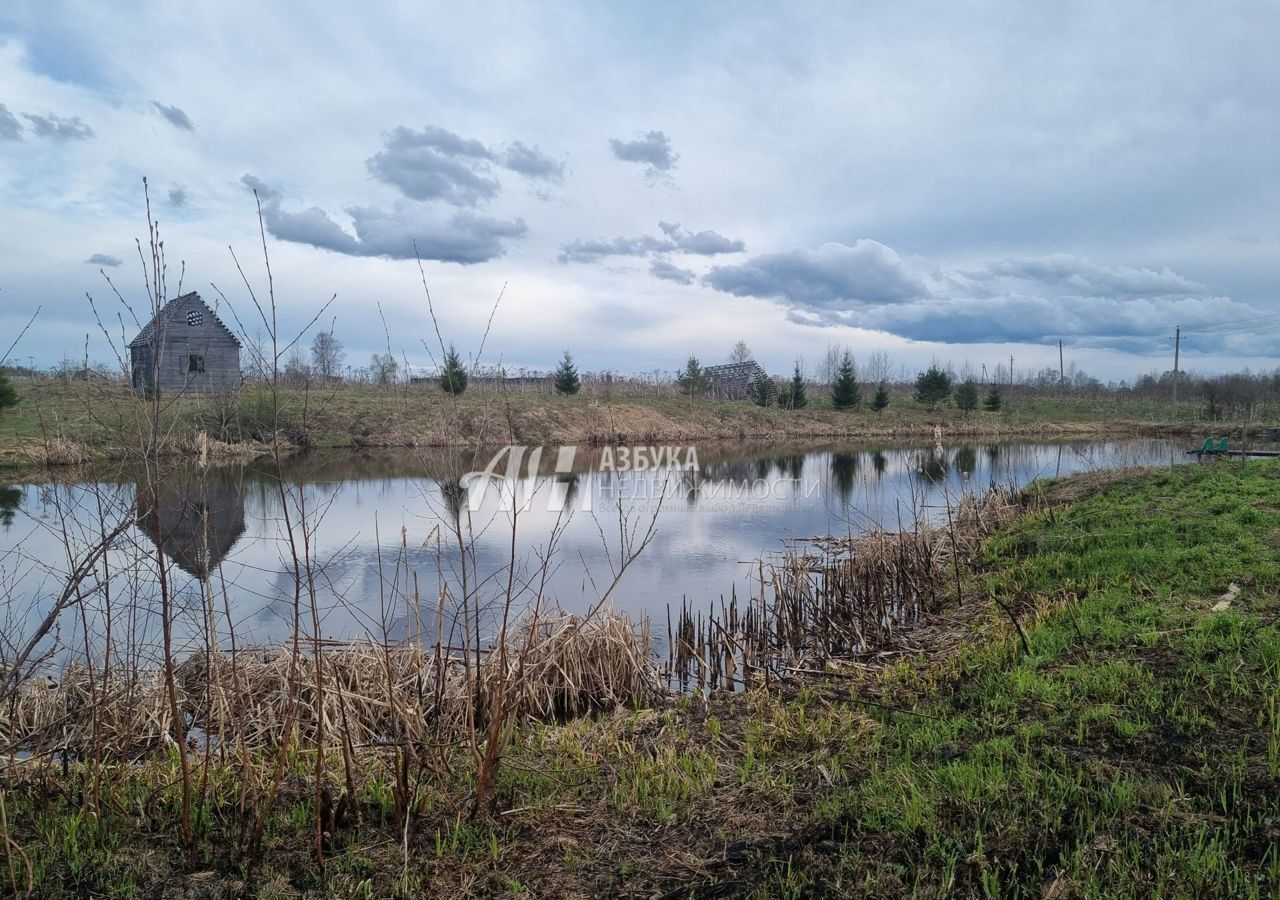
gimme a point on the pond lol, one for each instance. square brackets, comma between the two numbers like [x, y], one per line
[382, 532]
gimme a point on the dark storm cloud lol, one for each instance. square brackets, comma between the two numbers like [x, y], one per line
[441, 140]
[264, 191]
[58, 128]
[1019, 300]
[1137, 325]
[10, 127]
[104, 259]
[436, 164]
[178, 196]
[174, 116]
[670, 272]
[460, 236]
[1081, 276]
[674, 240]
[653, 150]
[833, 276]
[593, 251]
[702, 243]
[531, 162]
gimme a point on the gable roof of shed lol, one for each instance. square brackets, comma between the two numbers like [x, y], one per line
[733, 372]
[148, 334]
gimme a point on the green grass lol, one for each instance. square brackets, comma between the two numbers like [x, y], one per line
[105, 418]
[1133, 751]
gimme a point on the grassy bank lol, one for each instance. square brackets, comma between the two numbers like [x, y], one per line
[60, 421]
[1125, 742]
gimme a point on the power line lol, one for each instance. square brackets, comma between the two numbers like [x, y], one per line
[1242, 326]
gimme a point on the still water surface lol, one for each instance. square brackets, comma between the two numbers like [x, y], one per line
[379, 524]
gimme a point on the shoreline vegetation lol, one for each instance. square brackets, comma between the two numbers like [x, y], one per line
[68, 422]
[1082, 699]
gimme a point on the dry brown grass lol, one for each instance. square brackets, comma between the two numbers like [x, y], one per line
[562, 667]
[55, 451]
[830, 598]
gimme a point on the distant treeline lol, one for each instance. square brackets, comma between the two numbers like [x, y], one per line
[1226, 396]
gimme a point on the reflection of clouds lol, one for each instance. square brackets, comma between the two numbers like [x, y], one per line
[710, 526]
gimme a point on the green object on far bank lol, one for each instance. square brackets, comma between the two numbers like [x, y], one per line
[933, 386]
[881, 398]
[567, 381]
[453, 380]
[844, 389]
[8, 394]
[795, 393]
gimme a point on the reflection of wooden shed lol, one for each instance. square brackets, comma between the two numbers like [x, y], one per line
[737, 381]
[194, 518]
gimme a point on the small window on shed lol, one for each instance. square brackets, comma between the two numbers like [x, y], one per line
[195, 318]
[195, 363]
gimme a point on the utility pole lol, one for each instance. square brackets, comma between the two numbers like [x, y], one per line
[1177, 346]
[1010, 370]
[1062, 372]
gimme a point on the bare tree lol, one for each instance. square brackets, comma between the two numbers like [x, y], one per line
[740, 353]
[382, 368]
[296, 370]
[829, 364]
[878, 368]
[327, 355]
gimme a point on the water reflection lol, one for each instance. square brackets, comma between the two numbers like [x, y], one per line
[195, 519]
[379, 518]
[931, 466]
[791, 466]
[844, 473]
[10, 498]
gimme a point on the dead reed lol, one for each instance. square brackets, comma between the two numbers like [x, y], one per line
[559, 667]
[826, 597]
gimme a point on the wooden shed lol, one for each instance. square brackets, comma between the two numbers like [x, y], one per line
[737, 381]
[185, 348]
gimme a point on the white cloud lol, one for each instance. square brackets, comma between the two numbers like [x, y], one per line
[1132, 137]
[652, 150]
[1025, 300]
[174, 116]
[58, 128]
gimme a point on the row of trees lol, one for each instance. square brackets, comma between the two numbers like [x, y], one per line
[1224, 397]
[933, 386]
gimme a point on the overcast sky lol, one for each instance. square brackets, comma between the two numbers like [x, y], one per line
[963, 181]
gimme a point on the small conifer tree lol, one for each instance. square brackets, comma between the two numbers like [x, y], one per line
[845, 393]
[796, 398]
[933, 386]
[994, 401]
[8, 395]
[967, 396]
[566, 380]
[691, 381]
[762, 391]
[453, 380]
[881, 398]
